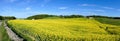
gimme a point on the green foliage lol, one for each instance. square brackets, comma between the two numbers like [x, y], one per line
[1, 18]
[98, 16]
[41, 16]
[71, 16]
[9, 17]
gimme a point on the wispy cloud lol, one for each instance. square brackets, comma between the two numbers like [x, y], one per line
[90, 13]
[96, 6]
[27, 8]
[62, 8]
[100, 10]
[87, 5]
[7, 11]
[108, 8]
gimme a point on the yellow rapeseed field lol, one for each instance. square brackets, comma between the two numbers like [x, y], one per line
[75, 29]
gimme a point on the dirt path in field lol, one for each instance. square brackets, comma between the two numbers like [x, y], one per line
[11, 34]
[0, 25]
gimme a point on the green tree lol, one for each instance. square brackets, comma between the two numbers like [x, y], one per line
[9, 17]
[1, 17]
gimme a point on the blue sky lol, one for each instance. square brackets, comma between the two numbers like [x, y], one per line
[25, 8]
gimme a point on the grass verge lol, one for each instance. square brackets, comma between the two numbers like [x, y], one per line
[3, 35]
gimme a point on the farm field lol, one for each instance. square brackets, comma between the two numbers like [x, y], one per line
[73, 29]
[109, 21]
[112, 24]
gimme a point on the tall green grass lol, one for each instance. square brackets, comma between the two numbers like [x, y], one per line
[3, 35]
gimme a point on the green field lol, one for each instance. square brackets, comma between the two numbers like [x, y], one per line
[109, 21]
[112, 24]
[73, 29]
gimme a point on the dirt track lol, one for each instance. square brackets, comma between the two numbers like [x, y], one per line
[11, 34]
[0, 35]
[0, 23]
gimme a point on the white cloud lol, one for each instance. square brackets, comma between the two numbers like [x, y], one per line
[62, 8]
[87, 5]
[90, 13]
[27, 8]
[96, 6]
[108, 7]
[100, 10]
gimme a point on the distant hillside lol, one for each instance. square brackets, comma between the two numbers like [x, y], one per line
[41, 16]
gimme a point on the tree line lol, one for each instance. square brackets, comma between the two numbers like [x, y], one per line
[99, 16]
[7, 17]
[41, 16]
